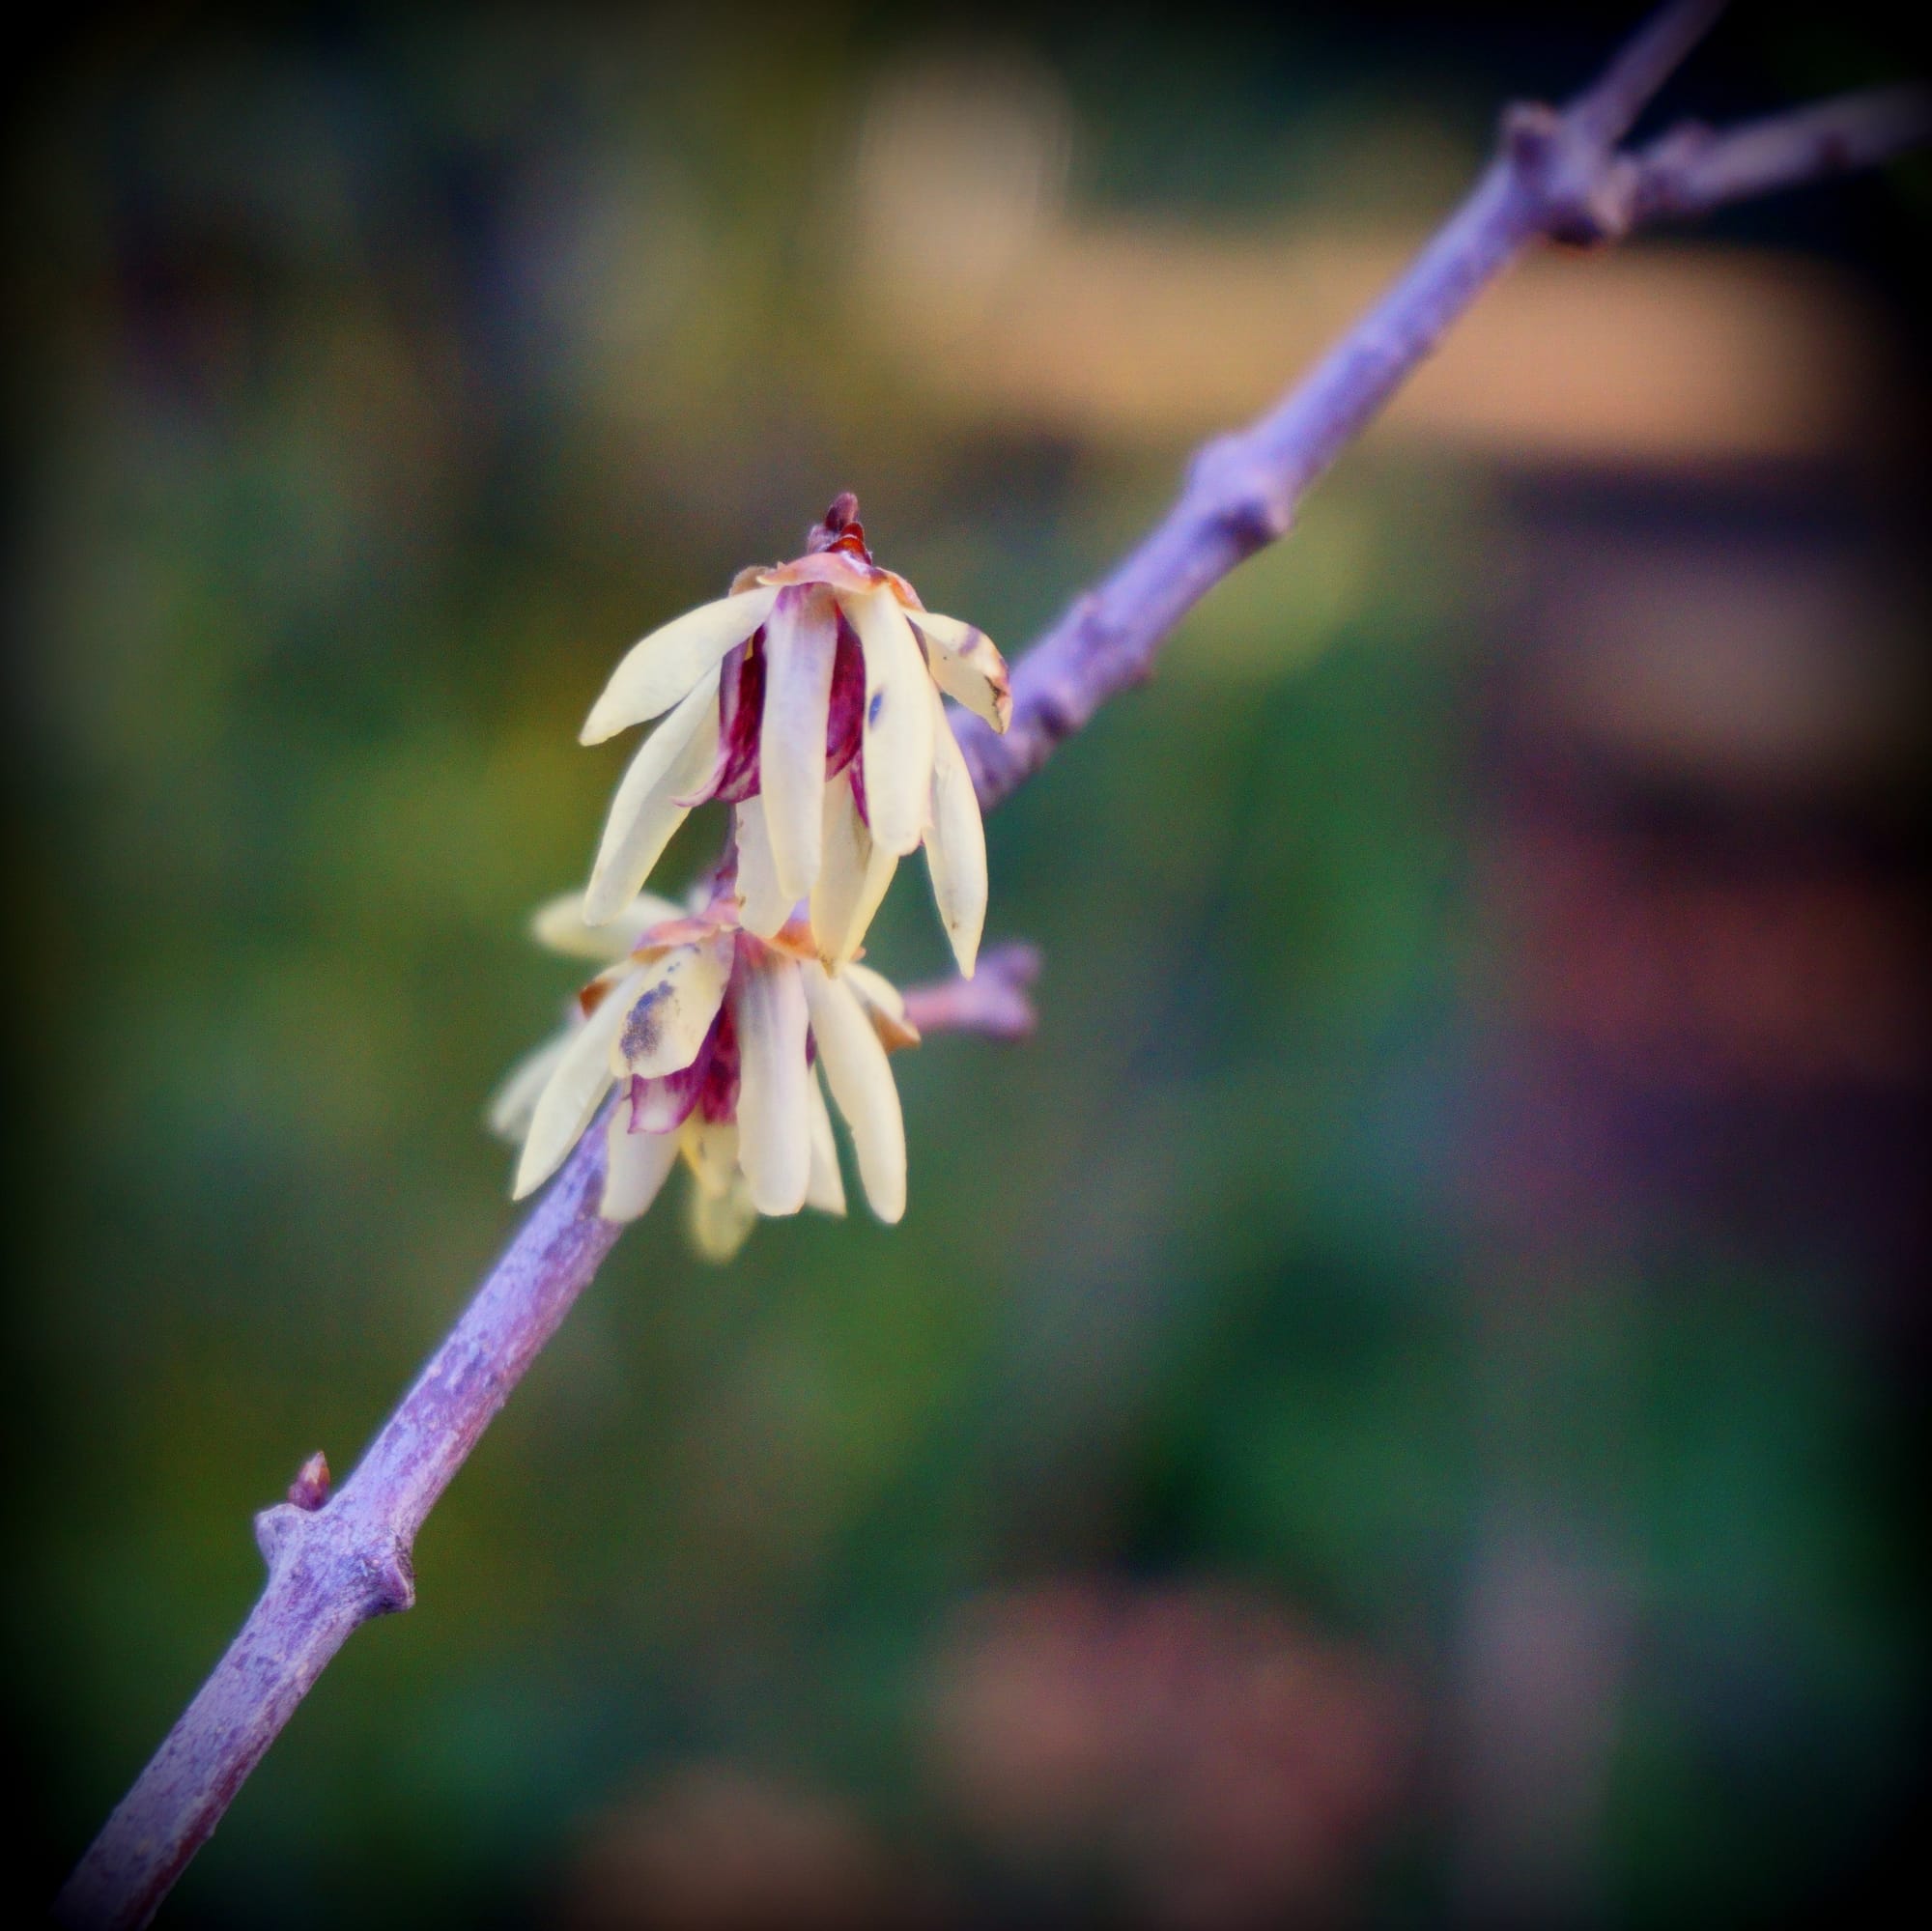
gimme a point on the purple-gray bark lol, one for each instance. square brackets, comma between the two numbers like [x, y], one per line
[334, 1565]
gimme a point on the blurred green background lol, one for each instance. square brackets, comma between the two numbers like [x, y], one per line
[1396, 1404]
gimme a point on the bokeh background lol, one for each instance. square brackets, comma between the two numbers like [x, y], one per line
[1400, 1404]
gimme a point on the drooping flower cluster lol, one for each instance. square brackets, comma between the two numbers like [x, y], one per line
[717, 1040]
[812, 699]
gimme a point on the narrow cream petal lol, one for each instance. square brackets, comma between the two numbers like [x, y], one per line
[578, 1083]
[763, 906]
[645, 811]
[670, 1007]
[883, 1004]
[852, 879]
[671, 662]
[710, 1149]
[897, 743]
[800, 642]
[515, 1102]
[560, 926]
[862, 1083]
[826, 1190]
[721, 1221]
[967, 667]
[955, 844]
[635, 1166]
[874, 988]
[774, 1110]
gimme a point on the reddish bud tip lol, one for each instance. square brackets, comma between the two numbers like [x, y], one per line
[839, 529]
[310, 1488]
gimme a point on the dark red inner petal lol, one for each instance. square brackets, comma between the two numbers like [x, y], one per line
[845, 714]
[741, 716]
[662, 1104]
[718, 1095]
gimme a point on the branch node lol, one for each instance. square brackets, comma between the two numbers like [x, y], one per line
[373, 1570]
[1245, 494]
[1529, 132]
[1059, 711]
[1584, 195]
[391, 1582]
[276, 1531]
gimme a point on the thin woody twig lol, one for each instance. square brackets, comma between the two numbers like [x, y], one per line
[333, 1565]
[335, 1562]
[1695, 170]
[1243, 489]
[992, 1003]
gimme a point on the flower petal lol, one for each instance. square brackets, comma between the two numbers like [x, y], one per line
[560, 926]
[663, 1104]
[578, 1083]
[967, 667]
[801, 640]
[862, 1083]
[774, 1112]
[955, 844]
[899, 721]
[883, 1003]
[635, 1167]
[670, 1010]
[670, 663]
[710, 1149]
[720, 1221]
[514, 1103]
[877, 990]
[645, 811]
[843, 572]
[853, 875]
[763, 906]
[826, 1190]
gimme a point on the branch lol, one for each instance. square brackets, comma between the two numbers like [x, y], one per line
[333, 1564]
[1695, 170]
[1556, 178]
[993, 1001]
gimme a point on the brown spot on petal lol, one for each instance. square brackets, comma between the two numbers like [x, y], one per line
[893, 1034]
[902, 590]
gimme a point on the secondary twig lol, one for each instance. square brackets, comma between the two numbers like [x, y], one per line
[992, 1003]
[335, 1563]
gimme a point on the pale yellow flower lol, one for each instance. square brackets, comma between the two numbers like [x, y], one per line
[811, 698]
[718, 1038]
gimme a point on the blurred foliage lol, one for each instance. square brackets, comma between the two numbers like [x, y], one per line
[383, 376]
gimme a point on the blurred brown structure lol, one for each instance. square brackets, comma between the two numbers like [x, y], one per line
[1215, 1763]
